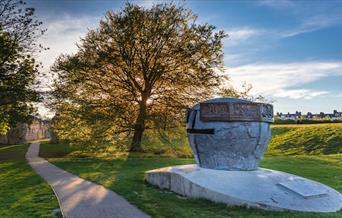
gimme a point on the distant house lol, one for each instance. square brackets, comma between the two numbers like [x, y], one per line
[309, 115]
[337, 114]
[334, 115]
[289, 116]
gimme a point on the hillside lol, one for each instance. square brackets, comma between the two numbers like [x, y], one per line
[306, 139]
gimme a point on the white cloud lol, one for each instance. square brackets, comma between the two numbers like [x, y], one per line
[239, 34]
[299, 93]
[279, 79]
[314, 23]
[233, 58]
[310, 17]
[145, 3]
[61, 37]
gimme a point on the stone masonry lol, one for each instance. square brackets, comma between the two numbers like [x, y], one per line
[38, 129]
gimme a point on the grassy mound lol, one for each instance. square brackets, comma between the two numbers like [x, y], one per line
[306, 139]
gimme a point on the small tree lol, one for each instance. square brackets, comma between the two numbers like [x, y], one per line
[18, 70]
[141, 67]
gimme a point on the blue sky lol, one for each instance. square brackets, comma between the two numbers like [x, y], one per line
[290, 51]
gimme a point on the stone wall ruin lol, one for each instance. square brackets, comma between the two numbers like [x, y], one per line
[38, 129]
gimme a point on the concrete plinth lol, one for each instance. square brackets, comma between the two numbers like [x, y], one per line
[262, 188]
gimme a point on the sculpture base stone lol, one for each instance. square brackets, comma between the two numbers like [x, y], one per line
[262, 188]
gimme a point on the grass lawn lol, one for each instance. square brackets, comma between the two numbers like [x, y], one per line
[22, 192]
[126, 177]
[306, 139]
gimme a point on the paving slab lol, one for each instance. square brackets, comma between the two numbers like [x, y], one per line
[79, 198]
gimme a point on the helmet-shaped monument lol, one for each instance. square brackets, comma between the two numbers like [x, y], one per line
[229, 133]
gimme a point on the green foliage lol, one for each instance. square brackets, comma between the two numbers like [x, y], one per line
[137, 71]
[126, 177]
[18, 69]
[306, 139]
[23, 193]
[4, 125]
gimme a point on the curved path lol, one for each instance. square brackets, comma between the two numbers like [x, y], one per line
[78, 197]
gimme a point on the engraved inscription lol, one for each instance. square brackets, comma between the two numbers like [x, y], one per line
[236, 111]
[214, 111]
[245, 111]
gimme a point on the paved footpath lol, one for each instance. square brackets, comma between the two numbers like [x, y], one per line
[78, 197]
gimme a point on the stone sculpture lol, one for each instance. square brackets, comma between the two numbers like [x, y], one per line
[228, 138]
[229, 134]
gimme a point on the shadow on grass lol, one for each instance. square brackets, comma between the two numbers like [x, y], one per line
[126, 177]
[13, 152]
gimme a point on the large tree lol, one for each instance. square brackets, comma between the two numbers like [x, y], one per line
[140, 68]
[19, 31]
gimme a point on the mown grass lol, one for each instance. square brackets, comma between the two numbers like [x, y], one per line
[306, 139]
[125, 176]
[22, 192]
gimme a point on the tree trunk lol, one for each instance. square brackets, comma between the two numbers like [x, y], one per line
[139, 126]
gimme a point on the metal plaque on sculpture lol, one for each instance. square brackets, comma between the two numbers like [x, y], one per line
[236, 111]
[214, 111]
